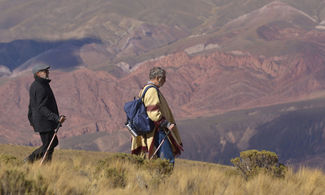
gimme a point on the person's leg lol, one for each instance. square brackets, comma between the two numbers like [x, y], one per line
[39, 152]
[36, 154]
[165, 151]
[47, 139]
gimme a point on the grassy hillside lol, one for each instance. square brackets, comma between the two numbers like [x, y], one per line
[80, 172]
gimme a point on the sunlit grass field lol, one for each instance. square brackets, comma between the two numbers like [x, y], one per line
[84, 172]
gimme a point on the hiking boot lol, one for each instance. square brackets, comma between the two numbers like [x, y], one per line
[28, 160]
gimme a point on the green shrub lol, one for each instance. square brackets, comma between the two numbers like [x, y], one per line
[253, 162]
[158, 169]
[6, 159]
[158, 166]
[122, 157]
[15, 182]
[116, 177]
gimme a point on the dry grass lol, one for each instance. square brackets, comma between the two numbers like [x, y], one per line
[81, 172]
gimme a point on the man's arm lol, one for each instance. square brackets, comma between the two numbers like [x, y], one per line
[152, 103]
[30, 118]
[41, 99]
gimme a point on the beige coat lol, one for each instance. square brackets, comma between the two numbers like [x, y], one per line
[158, 111]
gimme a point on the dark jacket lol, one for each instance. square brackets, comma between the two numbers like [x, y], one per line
[43, 112]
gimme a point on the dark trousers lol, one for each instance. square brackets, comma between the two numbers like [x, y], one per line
[46, 138]
[165, 151]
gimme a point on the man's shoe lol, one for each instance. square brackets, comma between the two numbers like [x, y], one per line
[28, 160]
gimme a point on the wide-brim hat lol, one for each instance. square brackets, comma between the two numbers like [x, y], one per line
[39, 67]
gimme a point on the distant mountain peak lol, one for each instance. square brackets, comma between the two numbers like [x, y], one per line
[274, 11]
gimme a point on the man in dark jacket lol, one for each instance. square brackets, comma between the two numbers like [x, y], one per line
[43, 113]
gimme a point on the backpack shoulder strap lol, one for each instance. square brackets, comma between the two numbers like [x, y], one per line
[146, 89]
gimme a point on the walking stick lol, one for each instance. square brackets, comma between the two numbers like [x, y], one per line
[55, 131]
[161, 143]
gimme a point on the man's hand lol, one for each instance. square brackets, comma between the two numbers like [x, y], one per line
[171, 126]
[62, 119]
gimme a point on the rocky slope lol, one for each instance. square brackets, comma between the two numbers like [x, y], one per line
[106, 34]
[196, 86]
[219, 57]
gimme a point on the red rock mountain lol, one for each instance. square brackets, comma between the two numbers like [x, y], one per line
[196, 86]
[220, 56]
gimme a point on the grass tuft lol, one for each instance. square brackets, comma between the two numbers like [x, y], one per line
[84, 172]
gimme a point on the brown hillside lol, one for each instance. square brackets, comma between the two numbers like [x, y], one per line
[220, 56]
[196, 86]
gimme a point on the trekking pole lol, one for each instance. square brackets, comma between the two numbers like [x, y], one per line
[55, 131]
[161, 143]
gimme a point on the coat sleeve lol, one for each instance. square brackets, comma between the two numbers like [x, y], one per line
[30, 115]
[152, 103]
[30, 112]
[41, 99]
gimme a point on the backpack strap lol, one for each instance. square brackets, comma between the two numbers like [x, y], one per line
[146, 89]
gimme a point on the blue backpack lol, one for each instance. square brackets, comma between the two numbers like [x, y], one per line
[138, 122]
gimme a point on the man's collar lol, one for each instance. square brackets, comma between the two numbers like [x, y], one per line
[152, 83]
[42, 80]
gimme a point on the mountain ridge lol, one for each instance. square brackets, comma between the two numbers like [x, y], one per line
[221, 56]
